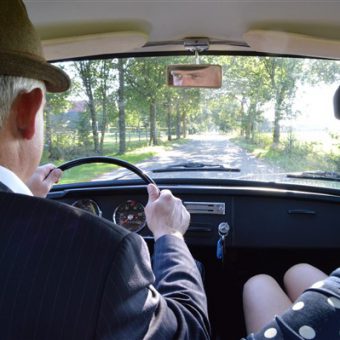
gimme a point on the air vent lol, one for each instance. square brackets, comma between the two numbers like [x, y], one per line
[210, 208]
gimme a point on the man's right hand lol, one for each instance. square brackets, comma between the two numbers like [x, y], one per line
[165, 213]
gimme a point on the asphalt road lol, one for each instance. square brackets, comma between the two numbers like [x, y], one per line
[208, 148]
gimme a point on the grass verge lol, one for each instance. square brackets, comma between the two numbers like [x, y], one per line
[88, 172]
[291, 154]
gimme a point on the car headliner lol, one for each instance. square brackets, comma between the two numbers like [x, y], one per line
[161, 25]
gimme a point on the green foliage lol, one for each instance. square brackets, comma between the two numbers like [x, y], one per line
[251, 88]
[327, 72]
[291, 154]
[90, 172]
[93, 171]
[335, 155]
[83, 129]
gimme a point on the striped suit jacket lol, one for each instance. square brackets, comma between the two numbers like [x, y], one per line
[66, 274]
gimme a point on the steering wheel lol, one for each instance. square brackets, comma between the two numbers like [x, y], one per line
[109, 160]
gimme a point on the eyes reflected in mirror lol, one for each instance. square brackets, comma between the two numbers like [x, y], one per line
[194, 75]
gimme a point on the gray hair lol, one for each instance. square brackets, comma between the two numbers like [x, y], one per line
[10, 87]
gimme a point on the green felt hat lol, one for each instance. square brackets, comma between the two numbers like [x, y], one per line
[20, 49]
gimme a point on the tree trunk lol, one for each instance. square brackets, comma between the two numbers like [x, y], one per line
[85, 73]
[276, 129]
[277, 117]
[153, 128]
[277, 120]
[104, 125]
[184, 124]
[178, 123]
[104, 75]
[94, 123]
[169, 114]
[242, 118]
[121, 107]
[250, 126]
[48, 133]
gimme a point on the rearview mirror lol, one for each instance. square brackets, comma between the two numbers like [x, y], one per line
[194, 75]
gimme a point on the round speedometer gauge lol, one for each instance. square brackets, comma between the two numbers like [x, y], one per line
[130, 215]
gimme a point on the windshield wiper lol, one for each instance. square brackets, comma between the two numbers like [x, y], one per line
[317, 175]
[194, 166]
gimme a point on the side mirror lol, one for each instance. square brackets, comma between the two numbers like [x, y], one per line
[194, 75]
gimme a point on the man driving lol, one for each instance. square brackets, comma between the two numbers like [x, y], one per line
[199, 75]
[66, 274]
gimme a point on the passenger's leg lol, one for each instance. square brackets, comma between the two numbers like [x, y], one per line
[300, 277]
[263, 298]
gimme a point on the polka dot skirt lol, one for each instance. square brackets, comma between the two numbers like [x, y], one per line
[315, 315]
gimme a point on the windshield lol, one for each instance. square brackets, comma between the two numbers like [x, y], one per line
[272, 117]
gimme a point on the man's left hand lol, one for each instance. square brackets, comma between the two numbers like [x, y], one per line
[43, 179]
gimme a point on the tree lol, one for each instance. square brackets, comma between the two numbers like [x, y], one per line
[189, 106]
[283, 75]
[56, 104]
[105, 67]
[258, 81]
[145, 82]
[243, 96]
[97, 77]
[121, 106]
[169, 114]
[87, 72]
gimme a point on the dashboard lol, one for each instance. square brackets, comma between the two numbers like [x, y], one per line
[254, 217]
[268, 230]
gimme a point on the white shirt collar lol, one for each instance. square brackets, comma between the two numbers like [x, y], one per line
[13, 182]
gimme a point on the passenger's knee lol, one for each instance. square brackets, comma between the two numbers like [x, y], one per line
[297, 270]
[257, 282]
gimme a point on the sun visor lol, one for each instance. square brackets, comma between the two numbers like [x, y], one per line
[93, 44]
[292, 44]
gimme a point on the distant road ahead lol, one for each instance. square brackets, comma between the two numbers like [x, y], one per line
[207, 148]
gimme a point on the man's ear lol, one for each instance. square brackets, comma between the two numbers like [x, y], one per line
[27, 105]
